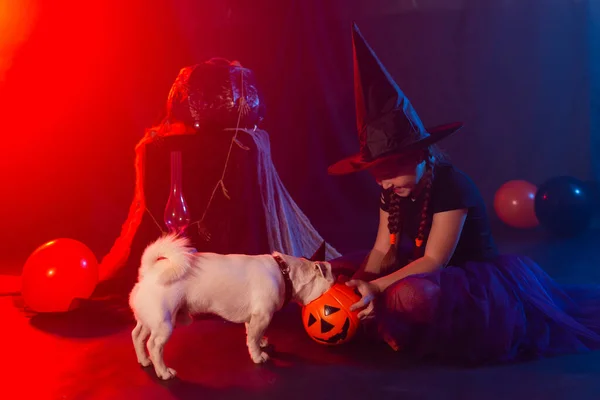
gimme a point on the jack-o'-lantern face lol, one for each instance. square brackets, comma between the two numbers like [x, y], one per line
[328, 319]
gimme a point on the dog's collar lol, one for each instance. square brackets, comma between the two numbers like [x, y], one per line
[285, 271]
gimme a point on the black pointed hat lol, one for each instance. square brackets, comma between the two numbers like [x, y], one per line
[388, 125]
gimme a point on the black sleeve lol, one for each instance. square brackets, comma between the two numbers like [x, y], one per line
[384, 202]
[453, 190]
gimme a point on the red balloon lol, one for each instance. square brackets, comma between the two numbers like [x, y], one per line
[58, 272]
[514, 204]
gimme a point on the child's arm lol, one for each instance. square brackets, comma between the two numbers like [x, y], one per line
[372, 264]
[443, 238]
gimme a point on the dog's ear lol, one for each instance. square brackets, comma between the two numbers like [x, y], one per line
[320, 269]
[319, 254]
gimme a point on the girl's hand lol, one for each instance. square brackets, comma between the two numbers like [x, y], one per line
[368, 292]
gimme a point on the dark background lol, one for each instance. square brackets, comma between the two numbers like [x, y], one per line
[80, 81]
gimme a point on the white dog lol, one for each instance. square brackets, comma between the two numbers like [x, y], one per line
[239, 288]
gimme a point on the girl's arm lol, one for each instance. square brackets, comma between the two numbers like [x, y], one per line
[445, 232]
[380, 248]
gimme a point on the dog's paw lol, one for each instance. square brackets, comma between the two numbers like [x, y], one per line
[145, 362]
[168, 373]
[264, 342]
[260, 358]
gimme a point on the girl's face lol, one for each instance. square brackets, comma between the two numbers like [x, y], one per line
[403, 176]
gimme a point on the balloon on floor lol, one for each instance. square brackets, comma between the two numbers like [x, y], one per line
[57, 273]
[564, 205]
[514, 204]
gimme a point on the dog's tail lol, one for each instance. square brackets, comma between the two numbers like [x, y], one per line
[171, 256]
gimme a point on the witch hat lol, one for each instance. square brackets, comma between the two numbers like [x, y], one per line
[388, 125]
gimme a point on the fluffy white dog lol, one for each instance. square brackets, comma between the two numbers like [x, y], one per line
[173, 280]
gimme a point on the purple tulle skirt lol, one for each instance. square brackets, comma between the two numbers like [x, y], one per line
[503, 310]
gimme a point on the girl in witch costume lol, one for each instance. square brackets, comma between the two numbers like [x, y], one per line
[434, 284]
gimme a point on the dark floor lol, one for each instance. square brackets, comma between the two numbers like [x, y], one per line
[88, 354]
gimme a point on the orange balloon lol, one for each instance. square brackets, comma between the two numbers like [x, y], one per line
[58, 272]
[514, 204]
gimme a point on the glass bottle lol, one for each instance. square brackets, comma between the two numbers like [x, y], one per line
[177, 216]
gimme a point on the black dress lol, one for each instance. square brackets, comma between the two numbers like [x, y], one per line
[452, 189]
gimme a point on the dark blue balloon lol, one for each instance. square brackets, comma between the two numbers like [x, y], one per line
[564, 205]
[593, 188]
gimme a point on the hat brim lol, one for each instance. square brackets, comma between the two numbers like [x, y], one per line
[356, 163]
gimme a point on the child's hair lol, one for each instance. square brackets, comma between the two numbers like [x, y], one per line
[432, 156]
